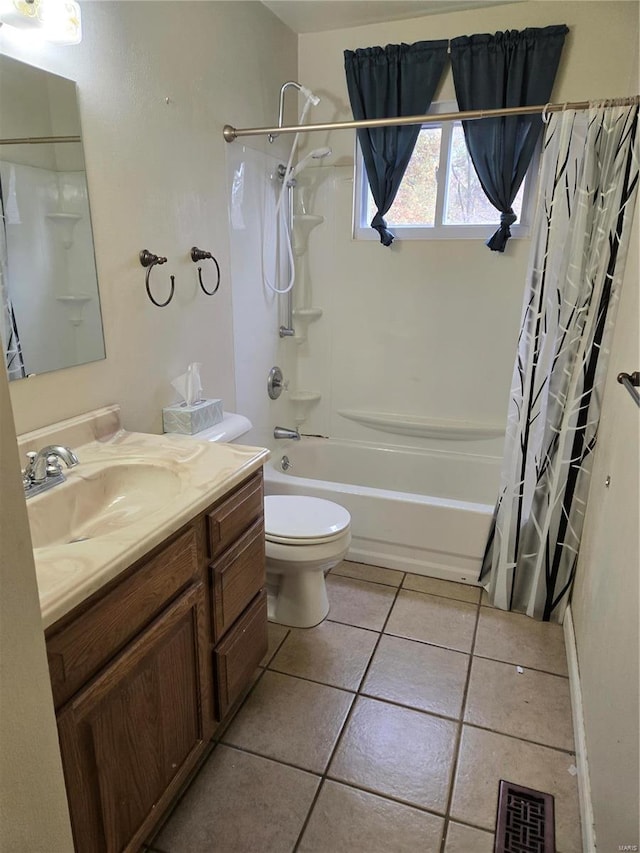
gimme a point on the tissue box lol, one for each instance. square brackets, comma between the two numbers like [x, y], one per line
[191, 419]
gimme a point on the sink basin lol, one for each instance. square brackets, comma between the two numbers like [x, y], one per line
[100, 499]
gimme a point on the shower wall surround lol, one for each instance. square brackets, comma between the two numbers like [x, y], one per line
[257, 312]
[429, 328]
[53, 332]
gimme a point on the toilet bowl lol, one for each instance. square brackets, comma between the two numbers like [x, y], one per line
[304, 538]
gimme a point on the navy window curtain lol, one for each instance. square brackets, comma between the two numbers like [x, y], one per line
[397, 80]
[508, 69]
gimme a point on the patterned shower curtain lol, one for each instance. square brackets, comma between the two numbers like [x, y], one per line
[588, 184]
[9, 338]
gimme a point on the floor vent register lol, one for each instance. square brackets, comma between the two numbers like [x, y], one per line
[525, 822]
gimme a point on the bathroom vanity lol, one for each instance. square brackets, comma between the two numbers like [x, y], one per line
[146, 666]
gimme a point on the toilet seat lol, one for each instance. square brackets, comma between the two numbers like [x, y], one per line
[301, 520]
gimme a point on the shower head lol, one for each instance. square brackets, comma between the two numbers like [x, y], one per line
[316, 154]
[315, 100]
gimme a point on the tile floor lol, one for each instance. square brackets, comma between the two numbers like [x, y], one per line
[387, 728]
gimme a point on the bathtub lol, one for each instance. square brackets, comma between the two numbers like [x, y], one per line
[420, 511]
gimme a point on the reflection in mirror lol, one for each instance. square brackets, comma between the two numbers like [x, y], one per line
[50, 307]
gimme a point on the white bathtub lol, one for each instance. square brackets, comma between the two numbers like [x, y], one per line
[415, 510]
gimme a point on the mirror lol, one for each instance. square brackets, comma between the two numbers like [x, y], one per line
[49, 302]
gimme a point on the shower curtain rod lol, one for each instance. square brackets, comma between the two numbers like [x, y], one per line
[39, 140]
[231, 133]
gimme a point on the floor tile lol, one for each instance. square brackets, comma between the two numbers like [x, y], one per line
[345, 820]
[355, 602]
[435, 586]
[486, 757]
[433, 619]
[468, 839]
[515, 638]
[365, 572]
[332, 653]
[240, 803]
[277, 633]
[418, 675]
[528, 704]
[398, 752]
[290, 720]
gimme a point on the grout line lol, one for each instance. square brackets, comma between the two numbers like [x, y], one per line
[447, 648]
[390, 797]
[518, 738]
[345, 724]
[458, 740]
[246, 751]
[377, 583]
[516, 663]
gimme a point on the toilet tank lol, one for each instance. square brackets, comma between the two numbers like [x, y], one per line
[230, 429]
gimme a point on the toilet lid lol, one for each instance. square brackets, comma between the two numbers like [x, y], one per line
[301, 520]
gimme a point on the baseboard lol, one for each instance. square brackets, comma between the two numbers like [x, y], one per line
[579, 734]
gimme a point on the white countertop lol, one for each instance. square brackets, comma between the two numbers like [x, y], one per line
[68, 573]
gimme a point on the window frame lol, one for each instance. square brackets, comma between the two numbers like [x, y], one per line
[441, 231]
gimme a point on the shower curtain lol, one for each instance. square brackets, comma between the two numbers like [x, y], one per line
[8, 328]
[588, 185]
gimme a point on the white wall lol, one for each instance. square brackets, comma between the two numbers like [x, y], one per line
[157, 180]
[606, 594]
[428, 327]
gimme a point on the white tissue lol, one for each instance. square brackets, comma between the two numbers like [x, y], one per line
[188, 385]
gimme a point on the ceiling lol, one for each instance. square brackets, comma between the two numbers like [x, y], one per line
[312, 16]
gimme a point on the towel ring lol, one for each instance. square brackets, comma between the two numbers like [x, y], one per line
[149, 260]
[201, 255]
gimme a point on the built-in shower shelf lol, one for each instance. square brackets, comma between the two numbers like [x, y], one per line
[422, 427]
[304, 316]
[64, 224]
[74, 303]
[303, 225]
[302, 404]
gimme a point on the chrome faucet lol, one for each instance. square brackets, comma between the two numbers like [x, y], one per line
[43, 470]
[283, 432]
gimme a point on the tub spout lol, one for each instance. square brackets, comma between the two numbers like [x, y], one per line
[283, 432]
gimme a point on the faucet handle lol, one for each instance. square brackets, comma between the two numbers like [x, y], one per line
[53, 469]
[31, 459]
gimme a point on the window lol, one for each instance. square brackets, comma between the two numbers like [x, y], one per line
[440, 196]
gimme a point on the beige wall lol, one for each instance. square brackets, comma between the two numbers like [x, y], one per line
[427, 328]
[33, 808]
[606, 593]
[157, 180]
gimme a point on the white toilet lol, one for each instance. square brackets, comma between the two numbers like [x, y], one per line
[304, 537]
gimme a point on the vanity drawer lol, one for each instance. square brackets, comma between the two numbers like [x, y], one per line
[231, 517]
[238, 655]
[236, 578]
[78, 650]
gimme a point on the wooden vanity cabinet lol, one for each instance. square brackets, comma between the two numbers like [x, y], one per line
[141, 672]
[238, 597]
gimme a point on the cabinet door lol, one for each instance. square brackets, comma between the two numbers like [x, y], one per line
[236, 578]
[237, 657]
[132, 735]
